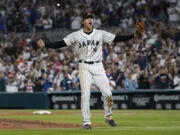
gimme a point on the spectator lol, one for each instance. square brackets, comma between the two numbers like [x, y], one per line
[174, 12]
[119, 77]
[162, 79]
[106, 51]
[47, 22]
[38, 85]
[48, 82]
[112, 57]
[136, 72]
[97, 22]
[77, 82]
[109, 74]
[39, 24]
[29, 85]
[2, 23]
[2, 82]
[143, 81]
[20, 80]
[142, 60]
[76, 22]
[66, 84]
[2, 68]
[12, 85]
[129, 83]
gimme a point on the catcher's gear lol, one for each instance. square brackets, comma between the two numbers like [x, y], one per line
[139, 29]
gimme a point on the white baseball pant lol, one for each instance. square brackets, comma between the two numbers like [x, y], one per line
[95, 72]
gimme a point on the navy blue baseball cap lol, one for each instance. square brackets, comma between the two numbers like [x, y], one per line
[87, 15]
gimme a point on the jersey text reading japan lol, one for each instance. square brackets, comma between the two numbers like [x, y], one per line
[88, 42]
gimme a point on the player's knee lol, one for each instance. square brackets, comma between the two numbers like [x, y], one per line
[109, 94]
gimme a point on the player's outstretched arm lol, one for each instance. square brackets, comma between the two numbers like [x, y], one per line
[119, 38]
[137, 34]
[55, 45]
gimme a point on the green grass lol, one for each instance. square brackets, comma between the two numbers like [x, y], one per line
[130, 122]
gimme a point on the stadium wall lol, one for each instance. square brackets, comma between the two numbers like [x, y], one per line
[139, 99]
[24, 101]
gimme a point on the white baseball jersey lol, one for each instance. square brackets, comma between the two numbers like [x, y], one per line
[89, 46]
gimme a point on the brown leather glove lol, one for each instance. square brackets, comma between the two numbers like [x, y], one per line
[139, 29]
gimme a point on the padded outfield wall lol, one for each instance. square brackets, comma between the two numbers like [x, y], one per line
[139, 99]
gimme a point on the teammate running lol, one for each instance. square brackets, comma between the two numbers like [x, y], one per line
[88, 44]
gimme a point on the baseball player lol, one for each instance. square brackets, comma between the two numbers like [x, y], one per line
[88, 44]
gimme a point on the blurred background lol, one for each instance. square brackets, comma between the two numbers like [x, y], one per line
[150, 63]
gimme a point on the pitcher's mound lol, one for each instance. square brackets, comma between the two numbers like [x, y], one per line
[33, 124]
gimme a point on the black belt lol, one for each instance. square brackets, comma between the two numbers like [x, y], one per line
[89, 62]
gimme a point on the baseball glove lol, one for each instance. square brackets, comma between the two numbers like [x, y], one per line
[139, 29]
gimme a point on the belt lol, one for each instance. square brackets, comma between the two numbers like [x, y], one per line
[88, 62]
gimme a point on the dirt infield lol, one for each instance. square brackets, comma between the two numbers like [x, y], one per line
[6, 123]
[30, 113]
[30, 124]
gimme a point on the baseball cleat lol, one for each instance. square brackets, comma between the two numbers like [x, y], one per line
[111, 122]
[87, 126]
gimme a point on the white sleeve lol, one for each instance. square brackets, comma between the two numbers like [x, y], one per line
[108, 37]
[70, 39]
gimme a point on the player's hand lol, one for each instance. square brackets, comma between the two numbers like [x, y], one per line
[139, 29]
[40, 43]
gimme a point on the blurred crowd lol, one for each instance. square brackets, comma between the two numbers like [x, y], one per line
[35, 15]
[150, 63]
